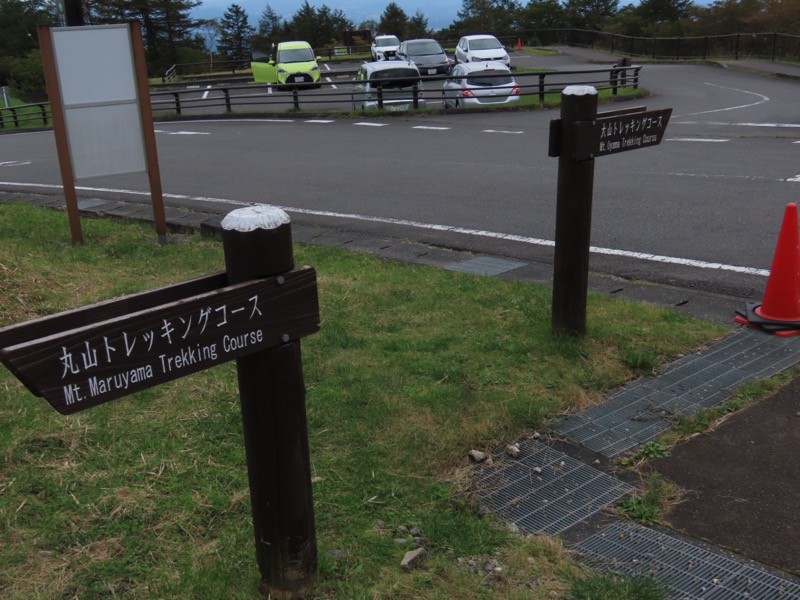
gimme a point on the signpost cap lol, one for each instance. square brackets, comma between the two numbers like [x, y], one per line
[579, 90]
[251, 218]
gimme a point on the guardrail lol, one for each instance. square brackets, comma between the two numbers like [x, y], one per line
[252, 96]
[38, 112]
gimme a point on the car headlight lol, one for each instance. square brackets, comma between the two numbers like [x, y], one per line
[314, 68]
[281, 70]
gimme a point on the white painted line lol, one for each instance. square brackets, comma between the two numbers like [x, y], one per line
[320, 121]
[796, 178]
[762, 99]
[687, 262]
[365, 124]
[333, 87]
[500, 131]
[431, 127]
[15, 163]
[327, 66]
[732, 124]
[192, 87]
[709, 140]
[205, 94]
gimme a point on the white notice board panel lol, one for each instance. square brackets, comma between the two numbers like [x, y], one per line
[97, 79]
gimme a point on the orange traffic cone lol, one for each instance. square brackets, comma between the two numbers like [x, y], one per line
[782, 295]
[519, 44]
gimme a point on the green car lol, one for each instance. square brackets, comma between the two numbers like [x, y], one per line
[290, 62]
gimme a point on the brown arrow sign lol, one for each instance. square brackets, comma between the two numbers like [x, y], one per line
[76, 369]
[620, 131]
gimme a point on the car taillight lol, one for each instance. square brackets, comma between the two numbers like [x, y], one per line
[514, 91]
[467, 93]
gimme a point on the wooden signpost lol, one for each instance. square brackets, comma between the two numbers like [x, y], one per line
[577, 138]
[255, 313]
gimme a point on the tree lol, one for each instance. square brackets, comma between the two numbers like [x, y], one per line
[543, 14]
[498, 17]
[303, 25]
[18, 21]
[417, 26]
[590, 14]
[210, 30]
[235, 34]
[394, 20]
[167, 26]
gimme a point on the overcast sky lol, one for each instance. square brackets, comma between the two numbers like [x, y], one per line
[440, 13]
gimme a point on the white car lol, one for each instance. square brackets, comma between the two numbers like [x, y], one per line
[384, 47]
[481, 48]
[387, 85]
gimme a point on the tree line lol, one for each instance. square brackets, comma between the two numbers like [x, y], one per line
[172, 35]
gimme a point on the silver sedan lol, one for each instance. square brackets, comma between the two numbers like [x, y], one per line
[480, 84]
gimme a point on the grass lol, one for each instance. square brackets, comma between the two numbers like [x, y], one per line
[617, 587]
[146, 496]
[648, 505]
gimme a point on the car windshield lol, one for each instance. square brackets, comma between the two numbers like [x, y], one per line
[485, 44]
[296, 55]
[389, 77]
[424, 49]
[389, 41]
[488, 80]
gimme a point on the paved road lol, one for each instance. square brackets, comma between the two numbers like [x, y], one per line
[702, 210]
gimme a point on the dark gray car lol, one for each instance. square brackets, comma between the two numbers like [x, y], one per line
[428, 55]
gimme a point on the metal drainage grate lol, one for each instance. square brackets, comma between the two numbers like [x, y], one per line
[688, 570]
[546, 491]
[643, 409]
[485, 265]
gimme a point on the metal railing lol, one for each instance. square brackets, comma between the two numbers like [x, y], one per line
[253, 97]
[262, 97]
[25, 114]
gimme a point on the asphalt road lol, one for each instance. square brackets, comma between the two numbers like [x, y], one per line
[701, 210]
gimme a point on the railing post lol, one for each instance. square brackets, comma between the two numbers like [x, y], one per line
[614, 77]
[43, 110]
[636, 77]
[227, 95]
[541, 87]
[573, 215]
[257, 243]
[296, 98]
[380, 96]
[415, 95]
[177, 97]
[14, 116]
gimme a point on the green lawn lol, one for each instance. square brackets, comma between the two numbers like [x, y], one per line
[146, 496]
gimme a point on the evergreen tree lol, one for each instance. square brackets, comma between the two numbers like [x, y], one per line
[18, 21]
[394, 20]
[303, 25]
[270, 30]
[235, 34]
[590, 14]
[418, 26]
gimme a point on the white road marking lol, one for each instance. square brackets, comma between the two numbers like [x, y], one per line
[731, 124]
[796, 178]
[205, 94]
[333, 87]
[501, 131]
[762, 99]
[366, 124]
[710, 140]
[182, 132]
[15, 163]
[320, 121]
[431, 227]
[431, 127]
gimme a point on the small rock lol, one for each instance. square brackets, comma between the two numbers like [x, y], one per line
[512, 450]
[537, 469]
[337, 555]
[401, 542]
[477, 456]
[597, 461]
[413, 559]
[483, 511]
[536, 435]
[422, 542]
[415, 532]
[402, 529]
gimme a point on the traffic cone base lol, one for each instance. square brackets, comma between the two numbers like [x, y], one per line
[779, 312]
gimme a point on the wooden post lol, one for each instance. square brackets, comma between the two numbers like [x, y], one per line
[573, 215]
[257, 243]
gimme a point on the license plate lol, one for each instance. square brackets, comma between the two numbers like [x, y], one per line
[431, 71]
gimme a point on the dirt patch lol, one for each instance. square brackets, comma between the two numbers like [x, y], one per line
[743, 481]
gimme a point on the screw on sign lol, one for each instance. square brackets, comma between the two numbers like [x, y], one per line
[255, 313]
